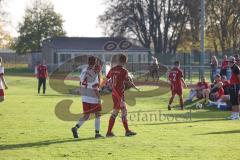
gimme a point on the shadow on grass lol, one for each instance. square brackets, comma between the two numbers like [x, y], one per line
[40, 143]
[171, 118]
[223, 132]
[56, 95]
[182, 122]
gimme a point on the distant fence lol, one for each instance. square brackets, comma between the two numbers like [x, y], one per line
[14, 58]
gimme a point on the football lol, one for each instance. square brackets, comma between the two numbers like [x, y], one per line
[199, 105]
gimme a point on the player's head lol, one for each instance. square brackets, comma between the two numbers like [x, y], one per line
[114, 60]
[203, 79]
[91, 61]
[225, 57]
[224, 78]
[176, 64]
[122, 59]
[231, 61]
[218, 78]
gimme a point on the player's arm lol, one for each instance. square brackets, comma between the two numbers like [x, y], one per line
[131, 83]
[46, 72]
[3, 80]
[184, 83]
[236, 70]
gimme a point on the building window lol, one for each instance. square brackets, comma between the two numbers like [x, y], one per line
[64, 57]
[130, 58]
[139, 58]
[55, 58]
[135, 58]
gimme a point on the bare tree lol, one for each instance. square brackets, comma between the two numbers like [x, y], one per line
[156, 24]
[224, 23]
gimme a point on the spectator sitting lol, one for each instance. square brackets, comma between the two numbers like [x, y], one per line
[226, 85]
[200, 91]
[217, 96]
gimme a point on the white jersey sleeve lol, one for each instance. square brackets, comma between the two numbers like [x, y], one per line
[1, 73]
[1, 70]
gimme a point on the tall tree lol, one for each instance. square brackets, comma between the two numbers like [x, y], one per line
[157, 24]
[224, 23]
[40, 22]
[5, 37]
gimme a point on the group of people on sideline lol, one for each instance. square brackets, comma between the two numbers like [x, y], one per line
[224, 91]
[221, 68]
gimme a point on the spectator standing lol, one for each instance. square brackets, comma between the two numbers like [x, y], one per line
[224, 66]
[234, 89]
[42, 74]
[214, 65]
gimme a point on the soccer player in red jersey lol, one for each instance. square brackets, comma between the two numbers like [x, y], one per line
[89, 84]
[119, 75]
[201, 90]
[42, 74]
[234, 88]
[2, 81]
[176, 79]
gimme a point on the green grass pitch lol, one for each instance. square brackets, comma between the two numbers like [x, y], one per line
[29, 129]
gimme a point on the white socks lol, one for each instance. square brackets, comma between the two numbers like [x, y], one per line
[236, 114]
[97, 123]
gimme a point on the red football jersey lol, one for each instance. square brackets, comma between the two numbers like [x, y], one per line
[118, 75]
[220, 93]
[226, 84]
[235, 72]
[203, 85]
[175, 77]
[42, 71]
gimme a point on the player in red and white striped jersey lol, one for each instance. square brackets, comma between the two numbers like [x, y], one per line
[89, 83]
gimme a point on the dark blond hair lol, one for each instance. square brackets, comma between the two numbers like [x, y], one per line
[122, 58]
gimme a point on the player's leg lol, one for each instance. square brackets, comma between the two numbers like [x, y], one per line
[171, 100]
[111, 122]
[79, 124]
[128, 132]
[1, 95]
[181, 101]
[238, 102]
[206, 93]
[39, 85]
[235, 103]
[97, 124]
[44, 85]
[192, 94]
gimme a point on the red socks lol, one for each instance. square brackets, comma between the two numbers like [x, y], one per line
[181, 102]
[111, 124]
[125, 125]
[171, 100]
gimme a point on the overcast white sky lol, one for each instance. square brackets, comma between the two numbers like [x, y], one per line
[80, 16]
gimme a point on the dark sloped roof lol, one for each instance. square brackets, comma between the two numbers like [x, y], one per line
[87, 43]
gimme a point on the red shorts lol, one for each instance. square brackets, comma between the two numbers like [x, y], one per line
[1, 93]
[177, 91]
[91, 108]
[118, 102]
